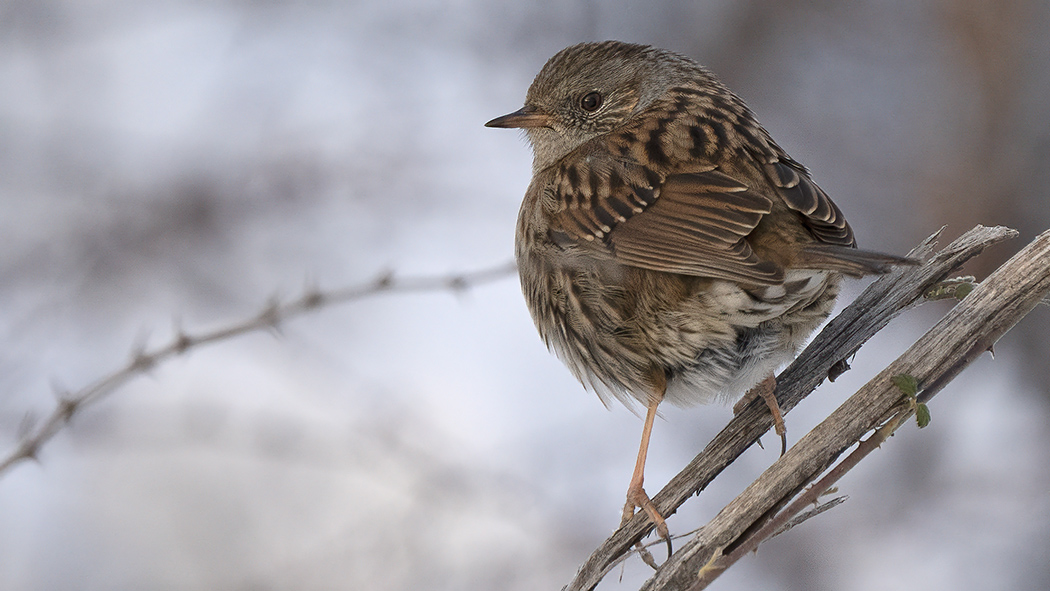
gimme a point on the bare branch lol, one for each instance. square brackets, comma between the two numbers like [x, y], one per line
[841, 338]
[956, 340]
[269, 318]
[963, 334]
[720, 561]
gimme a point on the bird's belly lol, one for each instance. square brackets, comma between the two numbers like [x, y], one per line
[722, 373]
[768, 328]
[710, 339]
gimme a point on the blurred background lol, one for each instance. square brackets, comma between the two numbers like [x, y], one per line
[170, 164]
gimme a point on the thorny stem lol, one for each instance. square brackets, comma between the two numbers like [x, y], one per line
[269, 318]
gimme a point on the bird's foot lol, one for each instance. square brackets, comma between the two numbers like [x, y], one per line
[766, 390]
[637, 498]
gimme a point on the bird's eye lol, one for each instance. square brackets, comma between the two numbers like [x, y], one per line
[591, 102]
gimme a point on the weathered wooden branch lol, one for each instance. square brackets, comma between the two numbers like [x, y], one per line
[962, 335]
[804, 462]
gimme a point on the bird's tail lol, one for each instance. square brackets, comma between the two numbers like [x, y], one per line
[851, 261]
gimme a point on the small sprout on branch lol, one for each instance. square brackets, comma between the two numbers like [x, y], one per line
[909, 386]
[906, 384]
[922, 414]
[956, 287]
[964, 290]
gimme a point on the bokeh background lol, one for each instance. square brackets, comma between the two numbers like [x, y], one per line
[170, 163]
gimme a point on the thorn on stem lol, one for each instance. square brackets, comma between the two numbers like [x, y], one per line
[29, 451]
[271, 314]
[142, 361]
[67, 407]
[181, 343]
[384, 280]
[312, 299]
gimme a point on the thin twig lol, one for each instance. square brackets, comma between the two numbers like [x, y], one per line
[269, 318]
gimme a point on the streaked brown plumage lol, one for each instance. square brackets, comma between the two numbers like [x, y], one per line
[667, 246]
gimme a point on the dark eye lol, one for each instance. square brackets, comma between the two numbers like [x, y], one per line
[591, 101]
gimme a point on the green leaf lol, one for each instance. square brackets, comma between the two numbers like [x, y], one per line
[956, 287]
[922, 414]
[963, 290]
[906, 384]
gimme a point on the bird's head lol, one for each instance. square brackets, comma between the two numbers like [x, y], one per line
[588, 90]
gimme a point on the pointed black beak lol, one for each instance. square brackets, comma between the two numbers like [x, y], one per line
[523, 118]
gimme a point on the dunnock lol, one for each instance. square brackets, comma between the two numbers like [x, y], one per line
[668, 248]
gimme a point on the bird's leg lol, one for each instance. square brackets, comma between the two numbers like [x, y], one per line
[766, 389]
[636, 496]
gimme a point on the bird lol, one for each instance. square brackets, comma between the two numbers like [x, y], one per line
[668, 248]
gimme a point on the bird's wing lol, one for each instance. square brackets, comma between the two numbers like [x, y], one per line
[692, 224]
[800, 193]
[835, 247]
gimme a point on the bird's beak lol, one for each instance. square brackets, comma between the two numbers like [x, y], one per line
[523, 118]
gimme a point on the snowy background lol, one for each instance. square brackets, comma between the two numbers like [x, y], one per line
[172, 163]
